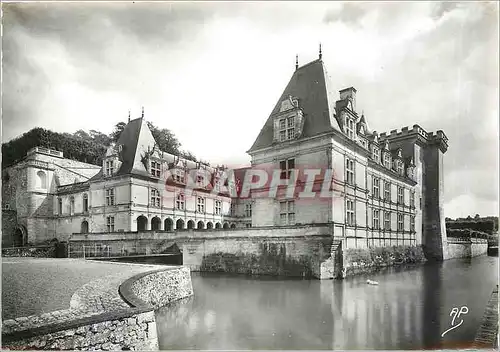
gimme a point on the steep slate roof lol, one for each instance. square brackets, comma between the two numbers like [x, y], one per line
[310, 84]
[128, 140]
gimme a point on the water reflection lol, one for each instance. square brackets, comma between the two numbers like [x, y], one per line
[408, 310]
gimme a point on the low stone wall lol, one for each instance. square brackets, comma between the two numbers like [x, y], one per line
[103, 321]
[36, 251]
[473, 247]
[157, 289]
[132, 329]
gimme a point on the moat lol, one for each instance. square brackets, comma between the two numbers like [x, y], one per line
[409, 309]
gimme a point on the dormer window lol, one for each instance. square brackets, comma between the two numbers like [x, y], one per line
[376, 155]
[179, 176]
[200, 180]
[349, 127]
[387, 160]
[287, 128]
[155, 169]
[400, 167]
[110, 167]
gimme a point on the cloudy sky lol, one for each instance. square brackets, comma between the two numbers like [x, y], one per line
[212, 72]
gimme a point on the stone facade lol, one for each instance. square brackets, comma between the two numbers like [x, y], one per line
[386, 188]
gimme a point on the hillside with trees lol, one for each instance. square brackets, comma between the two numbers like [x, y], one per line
[88, 147]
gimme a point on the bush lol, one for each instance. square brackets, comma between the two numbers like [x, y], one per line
[383, 256]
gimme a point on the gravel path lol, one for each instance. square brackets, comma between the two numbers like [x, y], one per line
[39, 285]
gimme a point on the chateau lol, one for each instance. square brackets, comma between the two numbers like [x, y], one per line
[382, 189]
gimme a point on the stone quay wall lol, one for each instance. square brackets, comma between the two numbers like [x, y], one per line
[302, 250]
[466, 248]
[487, 334]
[124, 321]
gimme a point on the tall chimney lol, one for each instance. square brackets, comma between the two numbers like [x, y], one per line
[350, 94]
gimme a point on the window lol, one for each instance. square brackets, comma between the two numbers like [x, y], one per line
[376, 219]
[287, 129]
[218, 207]
[155, 198]
[286, 167]
[387, 191]
[412, 199]
[349, 127]
[376, 155]
[200, 180]
[412, 223]
[248, 225]
[179, 176]
[180, 201]
[217, 184]
[248, 210]
[71, 205]
[350, 212]
[387, 220]
[349, 167]
[387, 160]
[376, 187]
[401, 195]
[233, 209]
[200, 205]
[401, 222]
[400, 167]
[110, 167]
[155, 169]
[110, 222]
[110, 196]
[42, 179]
[85, 203]
[60, 208]
[287, 212]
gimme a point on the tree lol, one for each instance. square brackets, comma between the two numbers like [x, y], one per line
[82, 134]
[165, 139]
[100, 137]
[477, 217]
[119, 127]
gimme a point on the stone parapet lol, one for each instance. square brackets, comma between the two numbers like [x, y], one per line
[98, 317]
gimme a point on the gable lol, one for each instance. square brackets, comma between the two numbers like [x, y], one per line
[308, 86]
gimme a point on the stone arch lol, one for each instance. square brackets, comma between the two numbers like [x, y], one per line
[41, 179]
[218, 225]
[84, 228]
[210, 225]
[168, 224]
[190, 224]
[156, 224]
[179, 224]
[200, 225]
[226, 225]
[142, 223]
[20, 236]
[233, 226]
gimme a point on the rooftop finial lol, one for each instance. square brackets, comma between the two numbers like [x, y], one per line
[320, 53]
[296, 61]
[142, 114]
[129, 116]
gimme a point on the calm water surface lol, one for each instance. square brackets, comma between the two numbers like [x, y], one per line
[410, 309]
